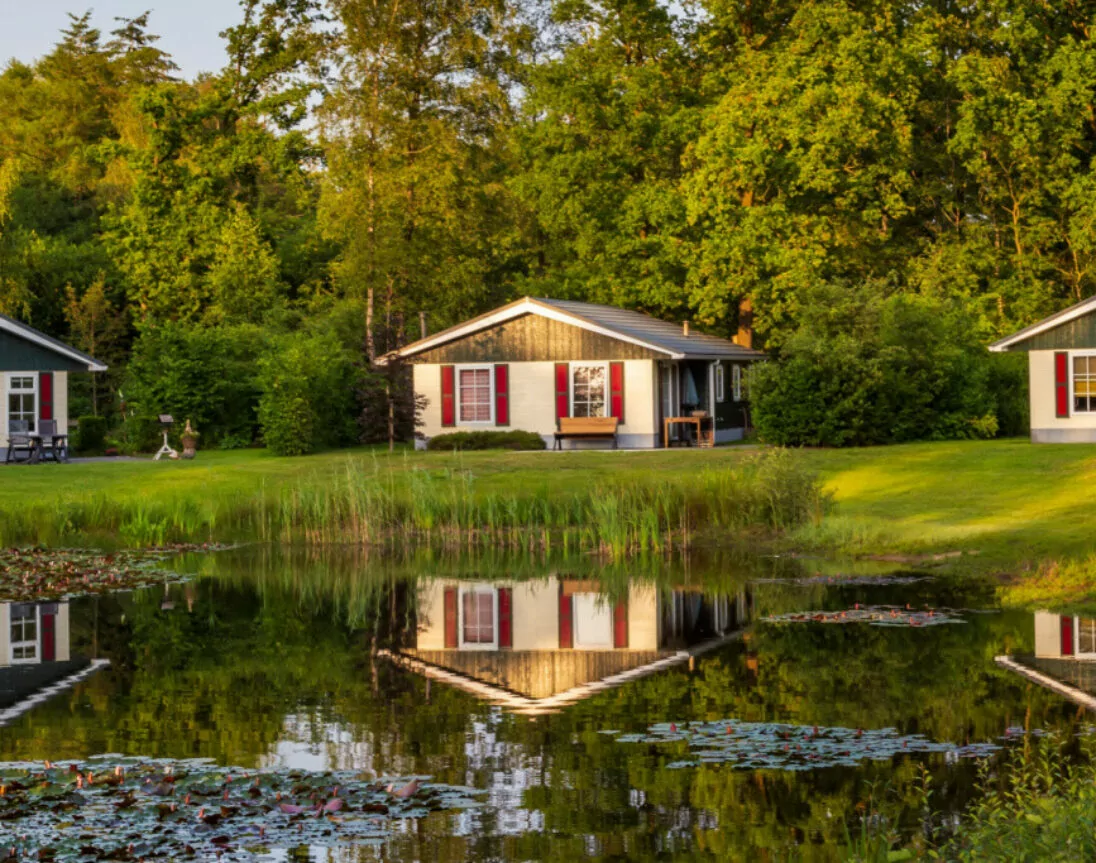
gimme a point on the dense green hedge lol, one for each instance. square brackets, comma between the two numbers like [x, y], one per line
[479, 440]
[863, 371]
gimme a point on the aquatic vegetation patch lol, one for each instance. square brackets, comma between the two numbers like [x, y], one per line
[874, 615]
[777, 746]
[36, 574]
[116, 808]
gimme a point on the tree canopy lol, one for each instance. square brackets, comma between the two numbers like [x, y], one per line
[446, 156]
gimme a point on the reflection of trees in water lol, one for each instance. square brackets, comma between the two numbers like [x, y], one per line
[276, 650]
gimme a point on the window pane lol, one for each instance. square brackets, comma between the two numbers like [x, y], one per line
[475, 395]
[1086, 635]
[589, 388]
[479, 617]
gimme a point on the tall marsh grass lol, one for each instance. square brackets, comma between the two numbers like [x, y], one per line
[770, 491]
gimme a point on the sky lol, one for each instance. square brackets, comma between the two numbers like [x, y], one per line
[188, 28]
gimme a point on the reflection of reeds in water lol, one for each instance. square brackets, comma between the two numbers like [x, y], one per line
[770, 491]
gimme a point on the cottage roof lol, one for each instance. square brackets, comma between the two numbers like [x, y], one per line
[22, 331]
[1079, 310]
[628, 326]
[478, 674]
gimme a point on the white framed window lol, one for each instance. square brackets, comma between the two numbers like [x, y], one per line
[25, 635]
[589, 389]
[475, 395]
[478, 616]
[736, 382]
[721, 383]
[23, 399]
[1082, 382]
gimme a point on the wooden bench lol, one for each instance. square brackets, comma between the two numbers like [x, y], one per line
[590, 428]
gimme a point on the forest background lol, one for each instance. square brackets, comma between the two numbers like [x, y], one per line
[891, 184]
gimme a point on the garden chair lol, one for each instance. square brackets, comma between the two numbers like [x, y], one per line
[19, 440]
[53, 445]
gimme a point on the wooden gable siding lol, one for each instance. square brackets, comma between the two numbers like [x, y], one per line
[532, 338]
[20, 355]
[1076, 334]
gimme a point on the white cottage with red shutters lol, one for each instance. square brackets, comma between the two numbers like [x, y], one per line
[1062, 369]
[536, 647]
[34, 370]
[534, 362]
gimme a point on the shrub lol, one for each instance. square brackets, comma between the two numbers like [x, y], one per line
[91, 435]
[864, 370]
[311, 374]
[480, 440]
[287, 424]
[141, 434]
[205, 373]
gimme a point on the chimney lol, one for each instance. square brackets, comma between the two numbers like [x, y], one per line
[745, 323]
[685, 329]
[422, 325]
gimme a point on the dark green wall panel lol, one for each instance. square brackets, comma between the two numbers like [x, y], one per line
[20, 355]
[1078, 333]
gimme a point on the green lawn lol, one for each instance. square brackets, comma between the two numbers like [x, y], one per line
[1015, 504]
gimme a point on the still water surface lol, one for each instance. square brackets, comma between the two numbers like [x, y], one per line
[504, 673]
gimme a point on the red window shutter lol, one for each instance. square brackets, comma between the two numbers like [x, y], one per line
[502, 395]
[506, 628]
[563, 390]
[450, 618]
[616, 391]
[448, 396]
[45, 396]
[620, 624]
[1067, 636]
[566, 636]
[1061, 384]
[49, 636]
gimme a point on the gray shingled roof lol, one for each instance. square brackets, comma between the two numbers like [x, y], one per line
[19, 328]
[668, 336]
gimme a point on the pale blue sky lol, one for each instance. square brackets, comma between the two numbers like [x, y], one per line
[188, 28]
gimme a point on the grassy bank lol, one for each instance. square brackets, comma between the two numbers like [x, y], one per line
[1012, 504]
[614, 503]
[1008, 505]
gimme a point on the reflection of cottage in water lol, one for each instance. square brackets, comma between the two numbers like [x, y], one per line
[1064, 658]
[35, 656]
[538, 646]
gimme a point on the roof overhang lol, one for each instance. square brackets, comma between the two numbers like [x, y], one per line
[1079, 310]
[32, 335]
[527, 706]
[517, 309]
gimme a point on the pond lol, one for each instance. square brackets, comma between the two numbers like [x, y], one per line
[724, 707]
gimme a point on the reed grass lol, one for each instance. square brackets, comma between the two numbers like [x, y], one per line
[374, 504]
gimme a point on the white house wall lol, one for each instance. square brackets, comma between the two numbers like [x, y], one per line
[1046, 427]
[1048, 635]
[535, 615]
[533, 404]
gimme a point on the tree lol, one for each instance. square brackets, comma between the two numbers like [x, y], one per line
[605, 126]
[97, 327]
[415, 131]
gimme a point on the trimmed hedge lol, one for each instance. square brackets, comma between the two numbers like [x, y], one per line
[479, 440]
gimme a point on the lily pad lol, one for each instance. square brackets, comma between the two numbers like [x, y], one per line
[874, 615]
[130, 809]
[36, 574]
[779, 746]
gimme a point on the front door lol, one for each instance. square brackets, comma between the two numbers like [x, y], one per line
[667, 393]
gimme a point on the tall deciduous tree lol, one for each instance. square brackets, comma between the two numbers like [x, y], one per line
[416, 130]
